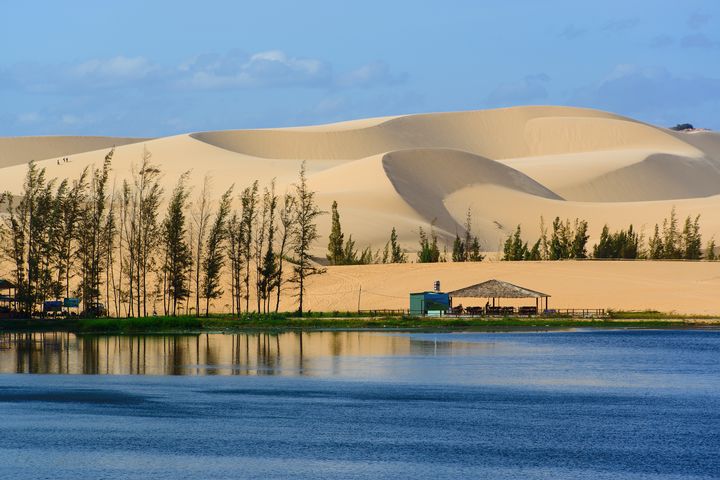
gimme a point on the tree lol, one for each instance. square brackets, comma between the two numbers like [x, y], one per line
[429, 251]
[349, 253]
[335, 241]
[68, 222]
[22, 222]
[473, 252]
[304, 235]
[234, 252]
[201, 218]
[604, 248]
[656, 249]
[691, 239]
[514, 248]
[91, 236]
[578, 248]
[560, 241]
[458, 251]
[711, 255]
[249, 202]
[145, 228]
[544, 244]
[671, 237]
[396, 252]
[287, 214]
[268, 271]
[178, 256]
[214, 259]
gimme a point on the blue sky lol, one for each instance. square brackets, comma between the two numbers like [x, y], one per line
[150, 68]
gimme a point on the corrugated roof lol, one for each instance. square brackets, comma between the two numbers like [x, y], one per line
[496, 289]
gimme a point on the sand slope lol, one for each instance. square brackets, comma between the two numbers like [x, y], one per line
[508, 165]
[19, 150]
[683, 287]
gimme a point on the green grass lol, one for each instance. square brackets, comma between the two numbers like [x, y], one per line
[338, 320]
[654, 315]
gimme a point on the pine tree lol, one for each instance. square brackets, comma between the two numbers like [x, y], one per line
[691, 239]
[269, 271]
[603, 249]
[429, 251]
[177, 254]
[656, 249]
[349, 253]
[473, 251]
[249, 202]
[336, 239]
[396, 252]
[304, 235]
[287, 214]
[214, 259]
[671, 237]
[458, 251]
[711, 255]
[580, 238]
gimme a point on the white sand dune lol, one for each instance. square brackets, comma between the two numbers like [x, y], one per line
[683, 287]
[20, 150]
[508, 165]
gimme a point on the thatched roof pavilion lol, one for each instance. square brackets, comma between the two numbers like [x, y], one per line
[498, 289]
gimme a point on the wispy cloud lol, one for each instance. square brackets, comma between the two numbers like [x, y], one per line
[571, 32]
[621, 24]
[637, 89]
[230, 71]
[698, 20]
[698, 40]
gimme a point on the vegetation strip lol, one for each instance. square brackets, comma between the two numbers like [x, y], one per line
[341, 320]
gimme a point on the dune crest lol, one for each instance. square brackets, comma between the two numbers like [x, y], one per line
[509, 165]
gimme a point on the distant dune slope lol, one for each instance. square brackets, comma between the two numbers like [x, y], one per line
[510, 166]
[18, 150]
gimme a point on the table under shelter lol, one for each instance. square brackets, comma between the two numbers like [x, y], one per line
[8, 296]
[494, 290]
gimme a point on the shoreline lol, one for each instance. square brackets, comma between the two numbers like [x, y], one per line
[286, 323]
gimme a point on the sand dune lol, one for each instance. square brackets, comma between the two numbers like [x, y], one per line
[508, 165]
[19, 150]
[683, 287]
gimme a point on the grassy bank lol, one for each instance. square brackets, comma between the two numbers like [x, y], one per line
[336, 320]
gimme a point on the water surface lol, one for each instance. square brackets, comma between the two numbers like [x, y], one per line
[580, 404]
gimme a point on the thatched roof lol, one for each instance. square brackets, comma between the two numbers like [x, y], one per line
[496, 289]
[5, 284]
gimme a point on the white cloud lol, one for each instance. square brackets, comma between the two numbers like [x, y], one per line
[273, 68]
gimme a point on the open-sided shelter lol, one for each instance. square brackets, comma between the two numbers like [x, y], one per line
[497, 289]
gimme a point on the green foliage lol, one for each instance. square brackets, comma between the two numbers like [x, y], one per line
[178, 257]
[710, 254]
[458, 252]
[304, 235]
[336, 252]
[397, 255]
[622, 244]
[691, 239]
[429, 251]
[214, 259]
[514, 248]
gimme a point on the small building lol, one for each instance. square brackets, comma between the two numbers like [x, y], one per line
[429, 303]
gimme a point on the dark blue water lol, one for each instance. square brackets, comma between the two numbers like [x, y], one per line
[564, 405]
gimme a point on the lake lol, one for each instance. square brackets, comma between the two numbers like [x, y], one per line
[595, 404]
